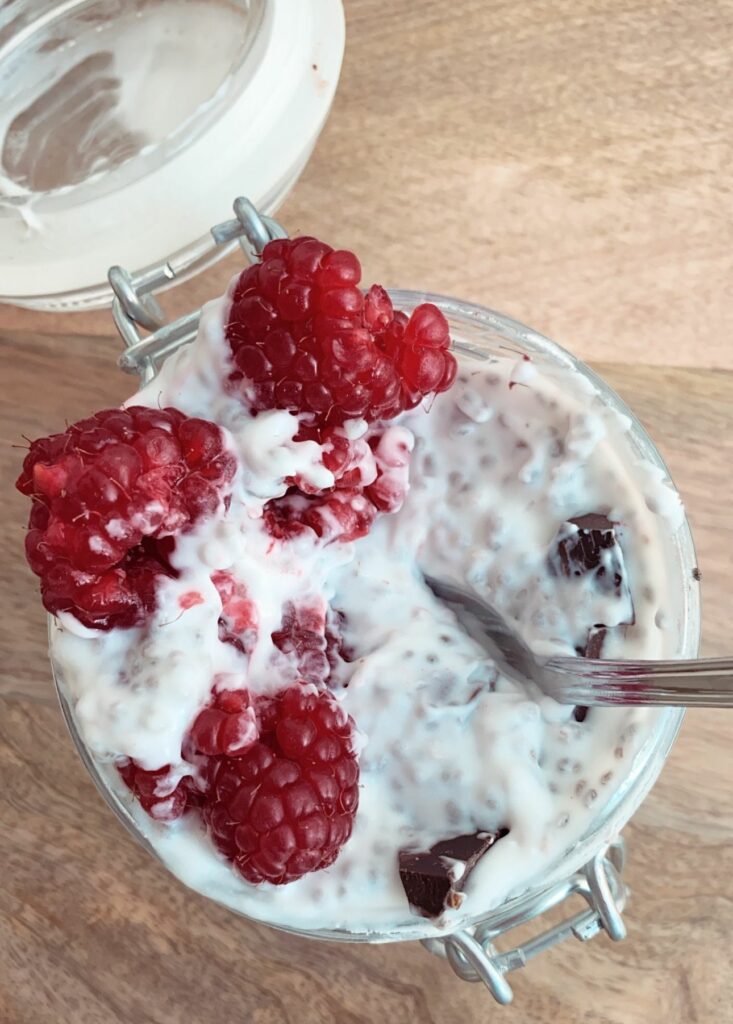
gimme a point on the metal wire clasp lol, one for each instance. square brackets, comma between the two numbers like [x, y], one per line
[474, 957]
[135, 309]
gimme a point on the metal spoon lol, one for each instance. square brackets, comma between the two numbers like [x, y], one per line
[702, 683]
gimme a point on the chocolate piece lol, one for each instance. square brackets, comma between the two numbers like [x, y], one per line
[593, 521]
[580, 548]
[433, 879]
[587, 545]
[594, 642]
[592, 649]
[696, 574]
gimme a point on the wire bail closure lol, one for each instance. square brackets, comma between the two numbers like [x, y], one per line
[135, 309]
[470, 952]
[473, 956]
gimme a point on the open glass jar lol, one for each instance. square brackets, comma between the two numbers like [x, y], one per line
[126, 126]
[591, 864]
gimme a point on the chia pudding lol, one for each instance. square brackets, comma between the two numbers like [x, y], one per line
[299, 727]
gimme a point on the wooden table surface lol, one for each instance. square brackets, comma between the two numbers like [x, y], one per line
[569, 163]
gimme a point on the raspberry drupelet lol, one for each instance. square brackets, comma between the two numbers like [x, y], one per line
[164, 796]
[238, 622]
[108, 494]
[305, 338]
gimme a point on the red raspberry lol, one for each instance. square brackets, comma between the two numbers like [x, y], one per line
[107, 495]
[238, 622]
[303, 634]
[371, 477]
[342, 515]
[158, 792]
[305, 338]
[286, 806]
[350, 460]
[345, 515]
[283, 516]
[227, 726]
[392, 450]
[337, 651]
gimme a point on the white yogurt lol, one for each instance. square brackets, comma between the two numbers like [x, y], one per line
[447, 745]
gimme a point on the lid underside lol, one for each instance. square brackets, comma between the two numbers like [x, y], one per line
[124, 135]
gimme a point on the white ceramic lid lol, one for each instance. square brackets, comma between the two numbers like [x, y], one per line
[252, 136]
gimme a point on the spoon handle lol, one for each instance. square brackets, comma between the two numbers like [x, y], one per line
[701, 683]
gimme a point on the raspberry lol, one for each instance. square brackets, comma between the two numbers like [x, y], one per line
[349, 459]
[160, 793]
[305, 338]
[392, 451]
[286, 806]
[227, 726]
[342, 515]
[337, 651]
[345, 515]
[351, 462]
[238, 620]
[283, 517]
[107, 496]
[371, 476]
[303, 635]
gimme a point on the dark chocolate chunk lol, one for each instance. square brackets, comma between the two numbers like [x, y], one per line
[579, 549]
[592, 649]
[696, 574]
[587, 546]
[433, 879]
[594, 642]
[593, 521]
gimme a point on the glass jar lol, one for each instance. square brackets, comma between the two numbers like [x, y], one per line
[591, 866]
[127, 125]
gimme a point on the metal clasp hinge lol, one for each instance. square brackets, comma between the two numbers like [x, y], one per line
[474, 957]
[135, 309]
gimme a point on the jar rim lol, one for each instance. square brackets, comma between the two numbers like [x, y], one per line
[648, 760]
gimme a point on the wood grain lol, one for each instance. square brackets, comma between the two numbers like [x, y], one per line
[567, 162]
[94, 931]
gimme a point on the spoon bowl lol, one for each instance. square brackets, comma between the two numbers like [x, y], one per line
[697, 682]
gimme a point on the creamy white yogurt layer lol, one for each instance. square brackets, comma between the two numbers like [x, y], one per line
[447, 746]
